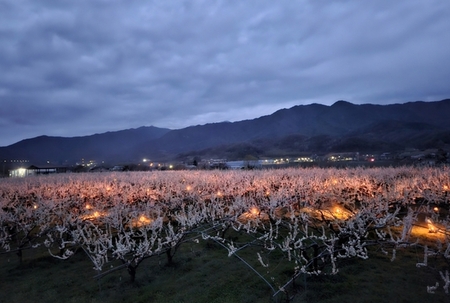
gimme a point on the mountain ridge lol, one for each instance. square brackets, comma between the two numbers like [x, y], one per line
[313, 128]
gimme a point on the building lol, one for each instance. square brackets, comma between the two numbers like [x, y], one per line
[36, 170]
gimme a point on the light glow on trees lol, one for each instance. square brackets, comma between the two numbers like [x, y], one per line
[314, 217]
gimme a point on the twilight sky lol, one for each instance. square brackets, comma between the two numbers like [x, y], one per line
[79, 67]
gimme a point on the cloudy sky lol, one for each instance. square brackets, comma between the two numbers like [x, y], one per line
[79, 67]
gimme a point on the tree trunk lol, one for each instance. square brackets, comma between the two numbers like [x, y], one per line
[132, 272]
[169, 256]
[316, 254]
[19, 254]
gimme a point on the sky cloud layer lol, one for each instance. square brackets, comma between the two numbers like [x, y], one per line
[72, 68]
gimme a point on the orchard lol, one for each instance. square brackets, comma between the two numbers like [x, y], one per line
[306, 220]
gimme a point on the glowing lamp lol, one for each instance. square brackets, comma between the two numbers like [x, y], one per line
[254, 211]
[22, 172]
[141, 221]
[431, 227]
[144, 220]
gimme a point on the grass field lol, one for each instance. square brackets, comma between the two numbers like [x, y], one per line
[203, 272]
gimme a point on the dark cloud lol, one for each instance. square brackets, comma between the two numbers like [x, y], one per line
[80, 67]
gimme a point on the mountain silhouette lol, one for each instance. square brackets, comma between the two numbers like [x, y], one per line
[302, 129]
